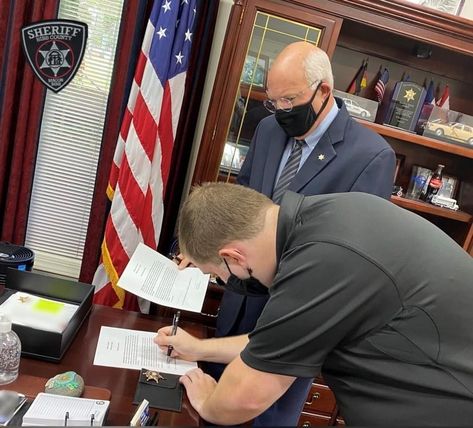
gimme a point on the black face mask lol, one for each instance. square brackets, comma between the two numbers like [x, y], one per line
[247, 287]
[300, 119]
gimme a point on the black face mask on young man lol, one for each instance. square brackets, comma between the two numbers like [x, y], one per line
[300, 119]
[247, 287]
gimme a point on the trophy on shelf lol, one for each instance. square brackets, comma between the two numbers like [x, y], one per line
[405, 106]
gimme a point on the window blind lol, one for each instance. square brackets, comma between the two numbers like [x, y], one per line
[69, 144]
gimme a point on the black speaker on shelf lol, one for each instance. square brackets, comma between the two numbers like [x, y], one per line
[16, 257]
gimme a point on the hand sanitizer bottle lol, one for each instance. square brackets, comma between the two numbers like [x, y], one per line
[10, 351]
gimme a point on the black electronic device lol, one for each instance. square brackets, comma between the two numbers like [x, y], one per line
[16, 257]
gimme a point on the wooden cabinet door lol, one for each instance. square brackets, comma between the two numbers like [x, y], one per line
[258, 30]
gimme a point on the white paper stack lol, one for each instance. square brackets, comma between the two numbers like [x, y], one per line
[37, 312]
[59, 410]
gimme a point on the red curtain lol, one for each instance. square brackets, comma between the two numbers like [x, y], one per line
[21, 103]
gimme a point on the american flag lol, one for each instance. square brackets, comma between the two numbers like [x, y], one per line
[142, 157]
[381, 85]
[430, 95]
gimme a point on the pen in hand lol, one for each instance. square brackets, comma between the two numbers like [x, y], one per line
[175, 321]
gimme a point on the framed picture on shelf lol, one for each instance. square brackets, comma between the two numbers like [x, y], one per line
[453, 7]
[255, 69]
[449, 187]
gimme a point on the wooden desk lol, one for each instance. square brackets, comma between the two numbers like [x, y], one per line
[121, 382]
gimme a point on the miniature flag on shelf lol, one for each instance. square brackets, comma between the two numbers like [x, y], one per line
[359, 81]
[142, 160]
[444, 101]
[380, 86]
[430, 96]
[405, 77]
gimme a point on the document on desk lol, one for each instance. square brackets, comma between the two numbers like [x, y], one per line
[154, 277]
[135, 349]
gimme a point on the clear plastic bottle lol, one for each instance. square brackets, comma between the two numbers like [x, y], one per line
[10, 351]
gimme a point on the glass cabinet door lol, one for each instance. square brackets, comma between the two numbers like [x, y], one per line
[269, 36]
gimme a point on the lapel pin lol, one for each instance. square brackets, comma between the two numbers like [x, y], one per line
[321, 157]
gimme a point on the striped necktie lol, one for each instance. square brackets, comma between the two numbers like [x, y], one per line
[289, 171]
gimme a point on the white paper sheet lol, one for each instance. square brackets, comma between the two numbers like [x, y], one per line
[135, 349]
[156, 278]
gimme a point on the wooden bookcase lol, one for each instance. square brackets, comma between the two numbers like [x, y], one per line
[388, 32]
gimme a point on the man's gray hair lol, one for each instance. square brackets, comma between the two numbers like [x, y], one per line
[317, 67]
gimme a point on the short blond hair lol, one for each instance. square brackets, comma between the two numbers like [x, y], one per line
[216, 214]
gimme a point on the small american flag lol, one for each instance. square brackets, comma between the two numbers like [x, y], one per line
[381, 85]
[142, 157]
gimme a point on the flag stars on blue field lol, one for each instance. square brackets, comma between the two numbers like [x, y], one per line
[161, 33]
[188, 35]
[167, 6]
[179, 57]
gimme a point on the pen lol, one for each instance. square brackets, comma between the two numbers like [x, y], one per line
[175, 320]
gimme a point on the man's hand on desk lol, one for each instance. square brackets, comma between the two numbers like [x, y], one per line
[185, 346]
[199, 386]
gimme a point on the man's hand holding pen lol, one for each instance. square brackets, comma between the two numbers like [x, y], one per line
[181, 261]
[184, 345]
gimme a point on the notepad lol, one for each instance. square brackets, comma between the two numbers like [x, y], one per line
[50, 409]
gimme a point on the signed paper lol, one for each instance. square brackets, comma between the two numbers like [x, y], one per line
[154, 277]
[134, 349]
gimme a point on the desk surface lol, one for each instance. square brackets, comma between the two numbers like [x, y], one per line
[121, 382]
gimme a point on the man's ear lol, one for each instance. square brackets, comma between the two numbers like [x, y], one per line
[233, 253]
[325, 89]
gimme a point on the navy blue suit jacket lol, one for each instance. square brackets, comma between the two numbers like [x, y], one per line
[348, 158]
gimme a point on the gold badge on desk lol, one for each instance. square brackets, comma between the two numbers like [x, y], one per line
[153, 376]
[161, 390]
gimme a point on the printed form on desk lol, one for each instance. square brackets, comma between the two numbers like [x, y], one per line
[154, 277]
[55, 410]
[135, 349]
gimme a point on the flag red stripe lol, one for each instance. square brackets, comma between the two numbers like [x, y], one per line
[140, 68]
[165, 135]
[145, 126]
[106, 296]
[147, 228]
[117, 253]
[127, 117]
[135, 198]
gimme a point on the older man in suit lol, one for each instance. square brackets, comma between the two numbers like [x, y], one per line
[310, 145]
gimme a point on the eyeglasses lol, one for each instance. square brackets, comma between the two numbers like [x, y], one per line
[284, 103]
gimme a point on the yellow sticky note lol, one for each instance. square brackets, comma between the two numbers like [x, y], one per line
[49, 306]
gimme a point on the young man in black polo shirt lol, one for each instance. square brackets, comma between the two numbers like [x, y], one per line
[373, 296]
